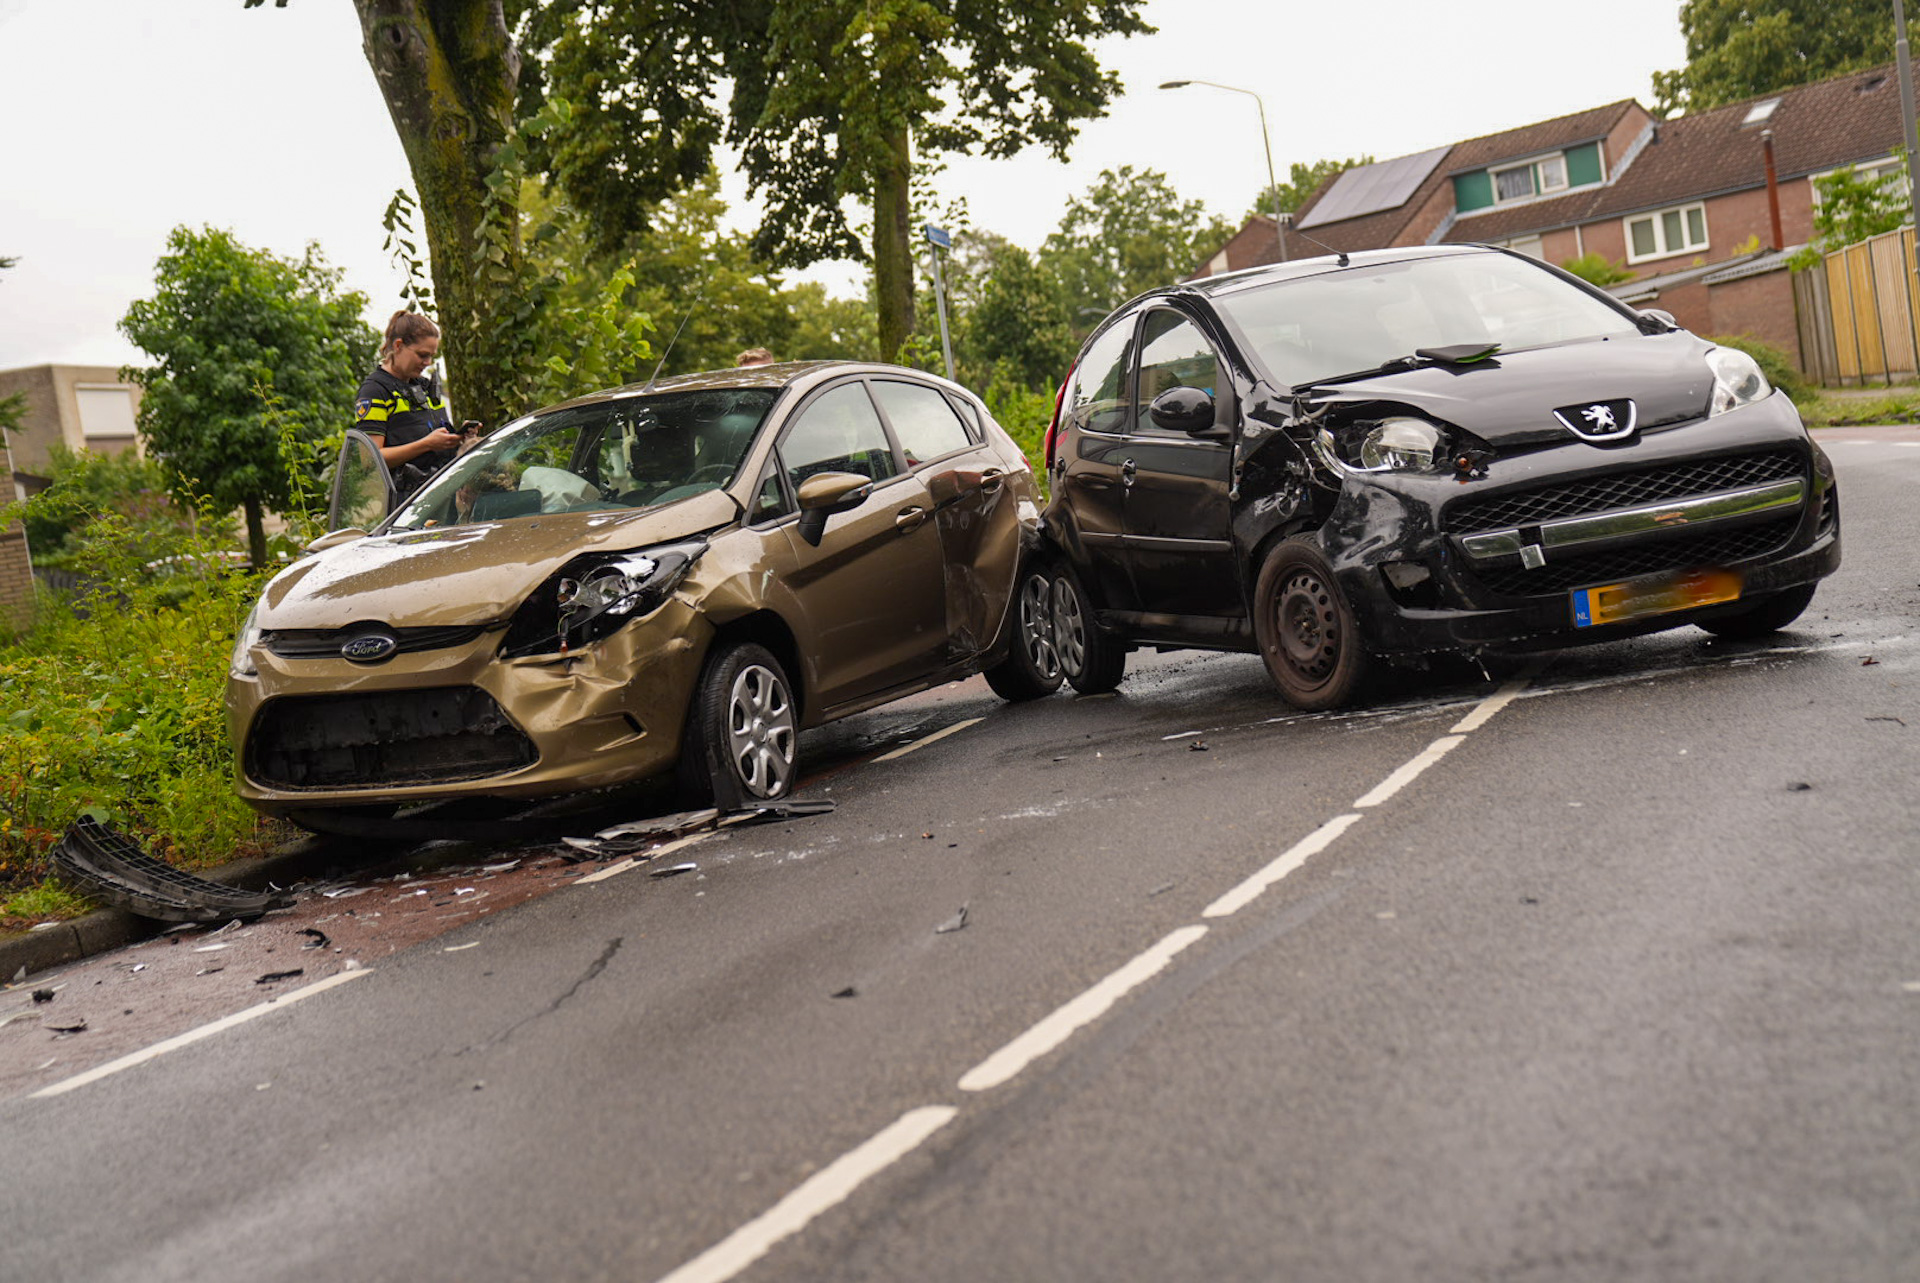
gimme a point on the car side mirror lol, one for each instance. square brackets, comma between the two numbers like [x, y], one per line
[333, 538]
[1188, 410]
[1661, 317]
[826, 493]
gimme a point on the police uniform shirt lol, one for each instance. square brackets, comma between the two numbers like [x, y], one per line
[402, 410]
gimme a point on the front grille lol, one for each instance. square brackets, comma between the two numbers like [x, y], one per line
[392, 738]
[1686, 553]
[1623, 490]
[325, 643]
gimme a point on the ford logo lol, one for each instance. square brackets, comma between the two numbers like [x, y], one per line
[369, 648]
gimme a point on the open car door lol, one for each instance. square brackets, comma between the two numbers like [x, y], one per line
[362, 487]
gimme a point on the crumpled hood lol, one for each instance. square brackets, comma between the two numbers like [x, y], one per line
[1509, 400]
[474, 574]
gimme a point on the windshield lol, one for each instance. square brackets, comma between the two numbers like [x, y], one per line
[1361, 317]
[634, 452]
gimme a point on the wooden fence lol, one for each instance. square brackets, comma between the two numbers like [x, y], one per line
[1858, 316]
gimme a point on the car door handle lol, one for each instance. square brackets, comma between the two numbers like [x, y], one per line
[909, 519]
[990, 479]
[1127, 471]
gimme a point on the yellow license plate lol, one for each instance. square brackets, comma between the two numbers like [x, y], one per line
[1654, 595]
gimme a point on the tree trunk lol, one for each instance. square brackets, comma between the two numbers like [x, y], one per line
[448, 70]
[256, 533]
[893, 243]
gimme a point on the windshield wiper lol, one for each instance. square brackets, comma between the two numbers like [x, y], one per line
[1456, 354]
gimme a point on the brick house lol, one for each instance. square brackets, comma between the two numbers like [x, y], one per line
[16, 569]
[83, 407]
[1684, 204]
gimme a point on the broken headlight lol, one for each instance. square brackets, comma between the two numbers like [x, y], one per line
[1737, 380]
[594, 596]
[1397, 444]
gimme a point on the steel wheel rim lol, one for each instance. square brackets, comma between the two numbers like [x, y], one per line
[1069, 628]
[1307, 626]
[760, 731]
[1037, 626]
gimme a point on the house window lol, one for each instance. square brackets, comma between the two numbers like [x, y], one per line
[1889, 171]
[1535, 178]
[1669, 231]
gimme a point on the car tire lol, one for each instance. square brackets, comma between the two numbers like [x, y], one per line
[1093, 661]
[742, 740]
[1032, 666]
[1306, 628]
[1768, 614]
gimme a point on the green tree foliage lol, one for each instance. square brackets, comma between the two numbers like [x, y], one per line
[834, 103]
[1019, 326]
[1743, 48]
[1853, 206]
[1130, 232]
[229, 326]
[1598, 269]
[1302, 182]
[86, 486]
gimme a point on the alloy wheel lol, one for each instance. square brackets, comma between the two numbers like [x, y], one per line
[761, 736]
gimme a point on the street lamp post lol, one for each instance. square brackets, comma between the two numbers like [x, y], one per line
[1266, 144]
[1905, 63]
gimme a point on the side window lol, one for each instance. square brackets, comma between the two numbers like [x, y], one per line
[1097, 401]
[923, 420]
[770, 501]
[839, 432]
[1173, 354]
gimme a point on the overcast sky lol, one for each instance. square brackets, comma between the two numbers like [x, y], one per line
[125, 118]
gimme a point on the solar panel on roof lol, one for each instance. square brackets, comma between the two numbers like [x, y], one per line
[1370, 189]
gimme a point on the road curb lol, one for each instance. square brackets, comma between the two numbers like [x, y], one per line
[105, 929]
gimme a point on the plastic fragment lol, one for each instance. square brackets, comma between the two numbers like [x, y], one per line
[207, 971]
[1799, 786]
[65, 1024]
[848, 992]
[42, 995]
[956, 923]
[272, 976]
[319, 938]
[1198, 746]
[1162, 889]
[673, 870]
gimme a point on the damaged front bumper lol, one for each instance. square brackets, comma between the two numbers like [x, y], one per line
[1433, 563]
[460, 721]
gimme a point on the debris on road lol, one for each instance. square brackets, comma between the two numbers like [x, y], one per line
[42, 995]
[674, 870]
[1868, 660]
[1162, 889]
[1198, 746]
[319, 938]
[65, 1024]
[273, 976]
[113, 867]
[1799, 787]
[1887, 719]
[956, 923]
[848, 992]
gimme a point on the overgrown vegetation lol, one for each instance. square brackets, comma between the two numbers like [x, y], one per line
[1597, 269]
[113, 691]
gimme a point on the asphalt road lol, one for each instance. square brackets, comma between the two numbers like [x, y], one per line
[1599, 969]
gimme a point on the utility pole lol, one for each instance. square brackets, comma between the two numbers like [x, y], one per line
[939, 239]
[1905, 61]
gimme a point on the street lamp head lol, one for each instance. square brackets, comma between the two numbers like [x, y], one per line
[1176, 84]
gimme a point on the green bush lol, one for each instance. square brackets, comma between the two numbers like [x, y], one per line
[1597, 269]
[111, 703]
[1775, 364]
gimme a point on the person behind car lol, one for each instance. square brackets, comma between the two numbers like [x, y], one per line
[754, 356]
[402, 409]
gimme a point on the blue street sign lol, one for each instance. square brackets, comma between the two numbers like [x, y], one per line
[938, 236]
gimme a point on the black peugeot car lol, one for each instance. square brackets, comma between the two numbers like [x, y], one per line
[1400, 453]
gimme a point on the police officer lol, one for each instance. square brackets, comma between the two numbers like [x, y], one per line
[403, 411]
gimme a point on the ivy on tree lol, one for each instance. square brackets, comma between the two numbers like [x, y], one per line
[226, 324]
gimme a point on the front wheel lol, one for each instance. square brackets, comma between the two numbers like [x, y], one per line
[1032, 666]
[1306, 629]
[742, 740]
[1093, 661]
[1768, 614]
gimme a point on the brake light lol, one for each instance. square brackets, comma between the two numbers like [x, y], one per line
[1053, 429]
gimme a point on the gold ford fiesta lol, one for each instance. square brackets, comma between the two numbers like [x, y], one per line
[668, 580]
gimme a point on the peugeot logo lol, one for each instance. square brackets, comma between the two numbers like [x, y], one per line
[369, 648]
[1599, 420]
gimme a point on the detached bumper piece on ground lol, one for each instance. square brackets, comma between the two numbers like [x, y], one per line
[113, 868]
